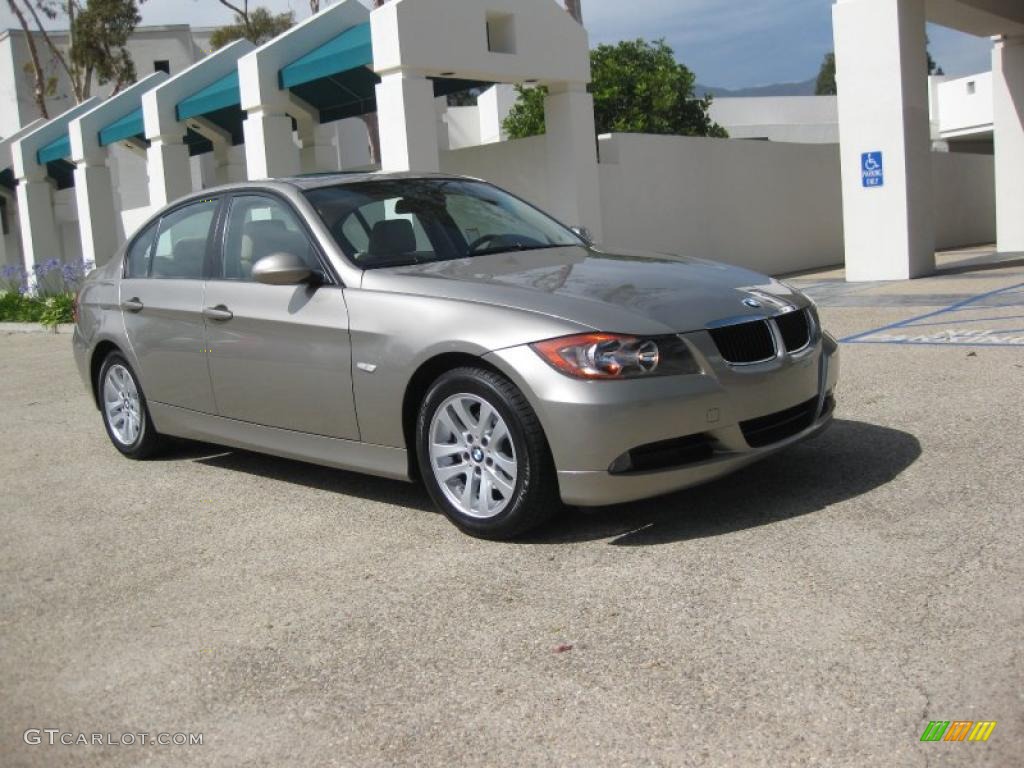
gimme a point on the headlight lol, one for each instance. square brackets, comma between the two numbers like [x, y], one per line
[616, 356]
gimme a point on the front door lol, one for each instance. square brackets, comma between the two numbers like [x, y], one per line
[162, 304]
[279, 356]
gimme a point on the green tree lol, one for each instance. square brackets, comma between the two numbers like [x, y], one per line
[933, 68]
[101, 30]
[638, 87]
[826, 85]
[95, 52]
[257, 25]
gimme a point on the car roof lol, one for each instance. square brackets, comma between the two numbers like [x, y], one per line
[312, 181]
[333, 179]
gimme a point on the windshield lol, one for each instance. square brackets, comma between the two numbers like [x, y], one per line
[397, 222]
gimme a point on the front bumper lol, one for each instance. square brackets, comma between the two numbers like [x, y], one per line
[592, 424]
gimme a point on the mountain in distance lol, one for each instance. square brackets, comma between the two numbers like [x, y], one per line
[805, 88]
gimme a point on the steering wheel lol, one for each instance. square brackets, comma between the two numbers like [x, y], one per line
[475, 245]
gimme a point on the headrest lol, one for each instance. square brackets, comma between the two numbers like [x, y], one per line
[392, 238]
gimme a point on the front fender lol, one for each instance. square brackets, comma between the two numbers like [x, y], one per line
[395, 334]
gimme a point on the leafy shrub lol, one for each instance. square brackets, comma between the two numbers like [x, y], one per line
[57, 310]
[52, 301]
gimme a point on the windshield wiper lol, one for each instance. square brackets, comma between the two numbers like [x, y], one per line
[511, 249]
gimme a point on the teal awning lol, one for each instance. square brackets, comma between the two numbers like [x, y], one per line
[216, 96]
[352, 48]
[128, 126]
[58, 149]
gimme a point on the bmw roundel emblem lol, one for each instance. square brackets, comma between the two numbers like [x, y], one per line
[752, 303]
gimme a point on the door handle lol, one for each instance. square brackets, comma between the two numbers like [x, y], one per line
[132, 305]
[220, 312]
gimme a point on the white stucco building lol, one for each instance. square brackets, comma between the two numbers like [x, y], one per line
[75, 186]
[961, 115]
[293, 105]
[886, 132]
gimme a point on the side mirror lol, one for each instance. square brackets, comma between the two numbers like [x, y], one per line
[281, 269]
[583, 234]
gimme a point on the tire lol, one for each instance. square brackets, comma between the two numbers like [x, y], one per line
[514, 487]
[117, 383]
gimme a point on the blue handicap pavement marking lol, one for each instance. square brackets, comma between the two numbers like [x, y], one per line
[872, 169]
[992, 319]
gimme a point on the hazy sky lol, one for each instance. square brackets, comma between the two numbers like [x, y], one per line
[728, 43]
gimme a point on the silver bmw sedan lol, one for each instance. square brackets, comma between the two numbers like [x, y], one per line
[437, 328]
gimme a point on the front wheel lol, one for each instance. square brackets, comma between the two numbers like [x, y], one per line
[483, 455]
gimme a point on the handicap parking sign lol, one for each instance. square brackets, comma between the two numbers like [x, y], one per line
[871, 169]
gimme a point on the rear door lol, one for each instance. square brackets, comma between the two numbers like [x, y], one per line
[161, 299]
[279, 356]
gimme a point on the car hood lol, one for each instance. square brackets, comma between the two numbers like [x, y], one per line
[620, 292]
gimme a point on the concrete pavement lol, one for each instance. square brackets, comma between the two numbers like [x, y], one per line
[817, 609]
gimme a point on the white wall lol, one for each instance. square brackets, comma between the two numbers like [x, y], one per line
[772, 207]
[965, 105]
[128, 176]
[18, 108]
[65, 213]
[463, 127]
[519, 166]
[494, 104]
[800, 119]
[963, 191]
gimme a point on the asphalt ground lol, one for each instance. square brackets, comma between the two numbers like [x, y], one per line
[817, 609]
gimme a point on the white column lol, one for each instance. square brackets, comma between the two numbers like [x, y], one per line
[353, 143]
[573, 193]
[98, 221]
[1008, 97]
[318, 153]
[882, 77]
[40, 239]
[270, 149]
[408, 123]
[9, 204]
[170, 170]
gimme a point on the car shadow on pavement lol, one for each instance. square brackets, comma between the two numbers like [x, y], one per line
[850, 459]
[338, 481]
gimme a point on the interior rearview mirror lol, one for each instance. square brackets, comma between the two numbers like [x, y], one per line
[281, 269]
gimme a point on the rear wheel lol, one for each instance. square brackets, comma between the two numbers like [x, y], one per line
[483, 455]
[125, 414]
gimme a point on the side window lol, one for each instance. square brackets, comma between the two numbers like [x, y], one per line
[181, 242]
[258, 227]
[140, 252]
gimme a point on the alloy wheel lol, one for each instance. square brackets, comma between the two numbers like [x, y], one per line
[472, 456]
[121, 405]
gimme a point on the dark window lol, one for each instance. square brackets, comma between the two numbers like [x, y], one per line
[258, 227]
[162, 65]
[4, 226]
[180, 250]
[139, 253]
